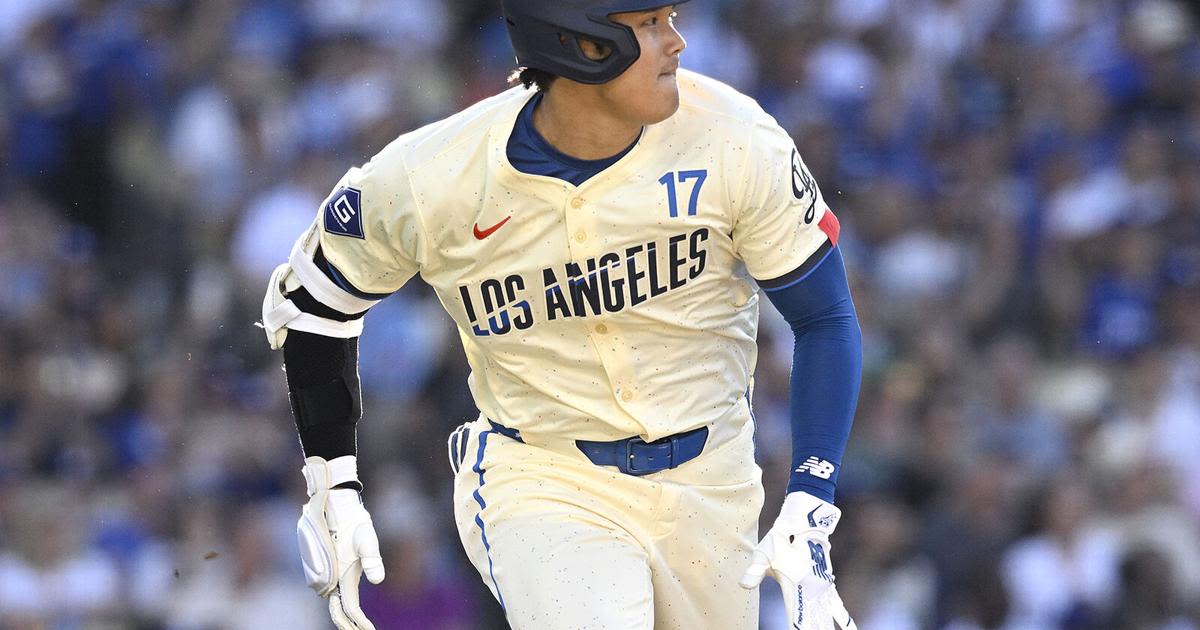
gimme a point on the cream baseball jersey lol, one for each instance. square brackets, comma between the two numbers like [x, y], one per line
[624, 306]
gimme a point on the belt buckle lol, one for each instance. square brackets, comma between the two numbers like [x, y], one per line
[630, 458]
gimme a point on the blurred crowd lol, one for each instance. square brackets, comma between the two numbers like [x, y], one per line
[1019, 187]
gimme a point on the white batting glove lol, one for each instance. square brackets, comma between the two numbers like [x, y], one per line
[796, 553]
[337, 540]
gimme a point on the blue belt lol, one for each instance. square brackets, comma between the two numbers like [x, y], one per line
[635, 456]
[505, 431]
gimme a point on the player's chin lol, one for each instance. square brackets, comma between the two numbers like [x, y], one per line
[667, 101]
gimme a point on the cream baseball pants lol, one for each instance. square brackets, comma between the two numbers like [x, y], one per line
[565, 544]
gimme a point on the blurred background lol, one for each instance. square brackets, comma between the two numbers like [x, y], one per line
[1019, 187]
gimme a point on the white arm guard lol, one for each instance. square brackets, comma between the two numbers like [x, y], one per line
[280, 314]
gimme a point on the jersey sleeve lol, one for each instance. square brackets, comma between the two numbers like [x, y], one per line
[784, 228]
[365, 243]
[370, 232]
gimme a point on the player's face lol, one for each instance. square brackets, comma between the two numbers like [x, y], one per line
[647, 92]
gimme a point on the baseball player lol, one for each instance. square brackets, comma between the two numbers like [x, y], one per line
[602, 243]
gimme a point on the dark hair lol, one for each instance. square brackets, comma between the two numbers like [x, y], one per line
[530, 77]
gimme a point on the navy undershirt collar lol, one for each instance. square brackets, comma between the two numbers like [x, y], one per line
[530, 153]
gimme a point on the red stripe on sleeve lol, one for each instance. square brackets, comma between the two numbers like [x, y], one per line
[830, 226]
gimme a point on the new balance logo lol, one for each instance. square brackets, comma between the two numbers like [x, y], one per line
[796, 625]
[817, 468]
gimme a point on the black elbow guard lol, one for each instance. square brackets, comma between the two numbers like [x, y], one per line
[324, 391]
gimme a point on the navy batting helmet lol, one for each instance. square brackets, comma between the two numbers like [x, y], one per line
[545, 35]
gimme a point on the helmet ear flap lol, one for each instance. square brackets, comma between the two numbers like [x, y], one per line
[588, 48]
[548, 35]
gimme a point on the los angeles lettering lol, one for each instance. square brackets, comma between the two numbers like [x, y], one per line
[608, 283]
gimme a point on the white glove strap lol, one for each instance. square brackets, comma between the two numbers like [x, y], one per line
[323, 475]
[342, 501]
[803, 508]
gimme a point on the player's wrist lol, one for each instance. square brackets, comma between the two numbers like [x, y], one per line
[820, 488]
[815, 474]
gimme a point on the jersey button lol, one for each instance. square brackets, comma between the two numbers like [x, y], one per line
[577, 203]
[602, 329]
[581, 236]
[627, 395]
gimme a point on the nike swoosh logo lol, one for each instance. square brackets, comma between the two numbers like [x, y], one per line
[482, 234]
[811, 521]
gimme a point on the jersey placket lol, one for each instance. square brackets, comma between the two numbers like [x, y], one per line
[583, 218]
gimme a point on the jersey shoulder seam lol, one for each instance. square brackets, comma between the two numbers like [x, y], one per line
[743, 109]
[743, 181]
[420, 214]
[742, 123]
[418, 139]
[747, 115]
[405, 148]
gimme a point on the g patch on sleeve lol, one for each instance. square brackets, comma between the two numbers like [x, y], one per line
[343, 213]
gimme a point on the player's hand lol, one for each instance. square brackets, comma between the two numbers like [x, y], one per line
[337, 540]
[796, 553]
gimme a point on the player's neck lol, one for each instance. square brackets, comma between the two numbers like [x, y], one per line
[583, 126]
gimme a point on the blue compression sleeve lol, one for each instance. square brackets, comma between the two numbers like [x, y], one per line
[826, 373]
